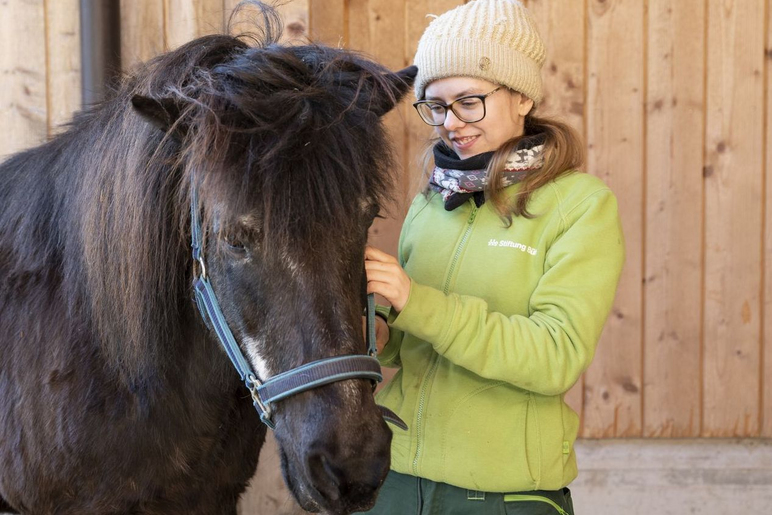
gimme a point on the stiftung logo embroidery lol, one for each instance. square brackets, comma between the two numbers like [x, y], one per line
[512, 244]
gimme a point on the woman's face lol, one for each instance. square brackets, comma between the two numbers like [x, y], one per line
[504, 118]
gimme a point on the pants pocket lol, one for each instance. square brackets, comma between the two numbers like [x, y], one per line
[532, 504]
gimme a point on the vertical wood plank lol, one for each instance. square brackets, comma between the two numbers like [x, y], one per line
[188, 19]
[23, 110]
[294, 13]
[615, 61]
[766, 378]
[228, 6]
[562, 27]
[328, 22]
[377, 27]
[64, 67]
[563, 31]
[142, 31]
[673, 278]
[733, 210]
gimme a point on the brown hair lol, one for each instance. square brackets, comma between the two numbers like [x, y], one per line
[563, 153]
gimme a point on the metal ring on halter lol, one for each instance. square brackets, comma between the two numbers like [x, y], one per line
[254, 383]
[203, 267]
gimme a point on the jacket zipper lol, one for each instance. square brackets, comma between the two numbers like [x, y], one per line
[524, 497]
[436, 362]
[469, 223]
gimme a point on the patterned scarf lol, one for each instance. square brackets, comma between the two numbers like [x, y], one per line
[457, 180]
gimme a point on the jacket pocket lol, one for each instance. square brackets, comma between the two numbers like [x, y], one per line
[484, 441]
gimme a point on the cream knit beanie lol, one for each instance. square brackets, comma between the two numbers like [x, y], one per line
[495, 40]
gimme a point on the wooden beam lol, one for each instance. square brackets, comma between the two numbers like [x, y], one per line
[733, 215]
[64, 66]
[328, 22]
[142, 31]
[615, 142]
[673, 278]
[23, 110]
[766, 376]
[186, 20]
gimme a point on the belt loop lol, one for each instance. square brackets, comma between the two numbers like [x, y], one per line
[475, 495]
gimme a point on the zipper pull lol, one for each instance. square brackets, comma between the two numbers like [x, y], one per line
[473, 215]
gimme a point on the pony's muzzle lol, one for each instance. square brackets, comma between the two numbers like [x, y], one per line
[352, 483]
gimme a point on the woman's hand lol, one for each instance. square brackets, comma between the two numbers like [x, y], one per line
[386, 277]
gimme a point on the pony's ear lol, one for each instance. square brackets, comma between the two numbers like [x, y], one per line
[163, 113]
[400, 84]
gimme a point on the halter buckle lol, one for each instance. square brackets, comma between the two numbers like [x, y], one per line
[266, 413]
[203, 267]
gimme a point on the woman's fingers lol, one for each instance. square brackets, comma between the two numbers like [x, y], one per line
[388, 290]
[386, 277]
[374, 254]
[382, 275]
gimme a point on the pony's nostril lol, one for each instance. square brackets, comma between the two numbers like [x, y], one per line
[325, 476]
[347, 482]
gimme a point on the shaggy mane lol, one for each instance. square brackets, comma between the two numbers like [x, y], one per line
[286, 132]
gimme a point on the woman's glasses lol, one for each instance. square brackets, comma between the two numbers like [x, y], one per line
[468, 109]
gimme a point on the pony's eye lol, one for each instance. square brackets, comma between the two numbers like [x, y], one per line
[233, 243]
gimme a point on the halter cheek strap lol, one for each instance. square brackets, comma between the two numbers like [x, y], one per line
[286, 384]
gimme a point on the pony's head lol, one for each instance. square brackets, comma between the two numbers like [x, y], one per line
[292, 164]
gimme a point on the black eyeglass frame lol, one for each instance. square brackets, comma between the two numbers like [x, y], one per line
[482, 98]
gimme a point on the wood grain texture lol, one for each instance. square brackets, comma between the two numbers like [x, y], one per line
[673, 277]
[766, 376]
[295, 14]
[23, 112]
[564, 87]
[188, 19]
[328, 22]
[615, 141]
[142, 31]
[228, 6]
[563, 72]
[733, 211]
[63, 74]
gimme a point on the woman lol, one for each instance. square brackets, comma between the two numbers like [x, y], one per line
[507, 268]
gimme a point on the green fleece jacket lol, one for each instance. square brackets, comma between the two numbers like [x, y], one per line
[500, 323]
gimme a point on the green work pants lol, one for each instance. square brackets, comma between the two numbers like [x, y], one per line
[409, 495]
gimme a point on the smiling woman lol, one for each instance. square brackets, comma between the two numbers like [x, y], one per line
[497, 301]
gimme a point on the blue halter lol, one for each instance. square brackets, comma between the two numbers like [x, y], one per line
[305, 377]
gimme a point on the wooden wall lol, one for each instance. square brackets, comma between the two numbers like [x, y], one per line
[39, 69]
[672, 99]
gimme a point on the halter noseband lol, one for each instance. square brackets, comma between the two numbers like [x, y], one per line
[305, 377]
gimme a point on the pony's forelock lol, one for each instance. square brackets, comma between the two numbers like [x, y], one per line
[277, 123]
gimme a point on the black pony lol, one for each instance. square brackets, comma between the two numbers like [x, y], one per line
[114, 396]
